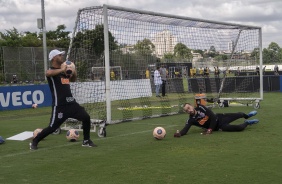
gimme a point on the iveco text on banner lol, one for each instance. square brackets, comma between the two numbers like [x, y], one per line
[19, 97]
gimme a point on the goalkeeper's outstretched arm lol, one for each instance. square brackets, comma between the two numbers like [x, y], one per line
[184, 130]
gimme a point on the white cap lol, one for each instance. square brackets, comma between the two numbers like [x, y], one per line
[54, 53]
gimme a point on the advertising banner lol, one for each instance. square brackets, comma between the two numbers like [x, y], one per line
[20, 97]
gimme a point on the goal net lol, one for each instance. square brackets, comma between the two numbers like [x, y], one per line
[221, 60]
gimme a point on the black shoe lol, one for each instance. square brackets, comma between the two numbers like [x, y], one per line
[88, 143]
[32, 146]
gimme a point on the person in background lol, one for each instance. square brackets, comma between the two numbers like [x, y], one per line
[276, 70]
[177, 73]
[257, 70]
[237, 72]
[147, 73]
[14, 79]
[263, 70]
[126, 74]
[113, 75]
[207, 72]
[163, 73]
[201, 72]
[191, 72]
[194, 72]
[216, 71]
[157, 81]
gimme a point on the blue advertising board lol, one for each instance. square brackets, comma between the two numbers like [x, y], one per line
[20, 97]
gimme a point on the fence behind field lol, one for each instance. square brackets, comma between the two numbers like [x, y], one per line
[26, 63]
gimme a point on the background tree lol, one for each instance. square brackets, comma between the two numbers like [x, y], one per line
[199, 51]
[273, 46]
[31, 40]
[255, 54]
[212, 49]
[271, 55]
[90, 44]
[266, 55]
[168, 56]
[181, 51]
[274, 52]
[221, 57]
[93, 40]
[211, 52]
[58, 38]
[144, 47]
[12, 38]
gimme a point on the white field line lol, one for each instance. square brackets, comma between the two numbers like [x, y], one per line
[71, 144]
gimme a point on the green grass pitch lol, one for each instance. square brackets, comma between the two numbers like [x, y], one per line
[129, 154]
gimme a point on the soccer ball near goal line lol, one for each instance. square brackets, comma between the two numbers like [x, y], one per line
[72, 135]
[159, 133]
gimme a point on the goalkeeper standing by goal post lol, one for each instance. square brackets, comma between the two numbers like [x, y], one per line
[64, 105]
[203, 117]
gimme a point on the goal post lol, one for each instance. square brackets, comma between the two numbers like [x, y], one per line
[226, 59]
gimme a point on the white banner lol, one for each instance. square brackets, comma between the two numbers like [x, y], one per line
[90, 92]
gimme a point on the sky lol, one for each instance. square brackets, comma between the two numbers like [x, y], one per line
[267, 14]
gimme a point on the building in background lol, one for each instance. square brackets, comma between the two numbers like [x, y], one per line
[164, 43]
[230, 46]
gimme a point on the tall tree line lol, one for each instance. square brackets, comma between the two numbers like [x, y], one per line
[142, 49]
[13, 38]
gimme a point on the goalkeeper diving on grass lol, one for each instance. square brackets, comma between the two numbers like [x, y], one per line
[205, 118]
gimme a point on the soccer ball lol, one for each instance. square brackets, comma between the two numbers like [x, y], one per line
[72, 135]
[36, 132]
[70, 68]
[34, 106]
[159, 133]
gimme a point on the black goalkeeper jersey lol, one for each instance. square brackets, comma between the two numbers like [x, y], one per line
[203, 117]
[60, 89]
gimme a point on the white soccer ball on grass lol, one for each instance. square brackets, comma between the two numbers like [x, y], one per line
[159, 133]
[72, 135]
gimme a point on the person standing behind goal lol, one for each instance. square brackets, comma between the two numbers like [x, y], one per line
[64, 105]
[163, 76]
[157, 81]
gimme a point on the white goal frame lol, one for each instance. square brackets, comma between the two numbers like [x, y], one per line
[106, 11]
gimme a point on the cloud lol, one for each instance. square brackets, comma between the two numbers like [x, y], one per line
[23, 14]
